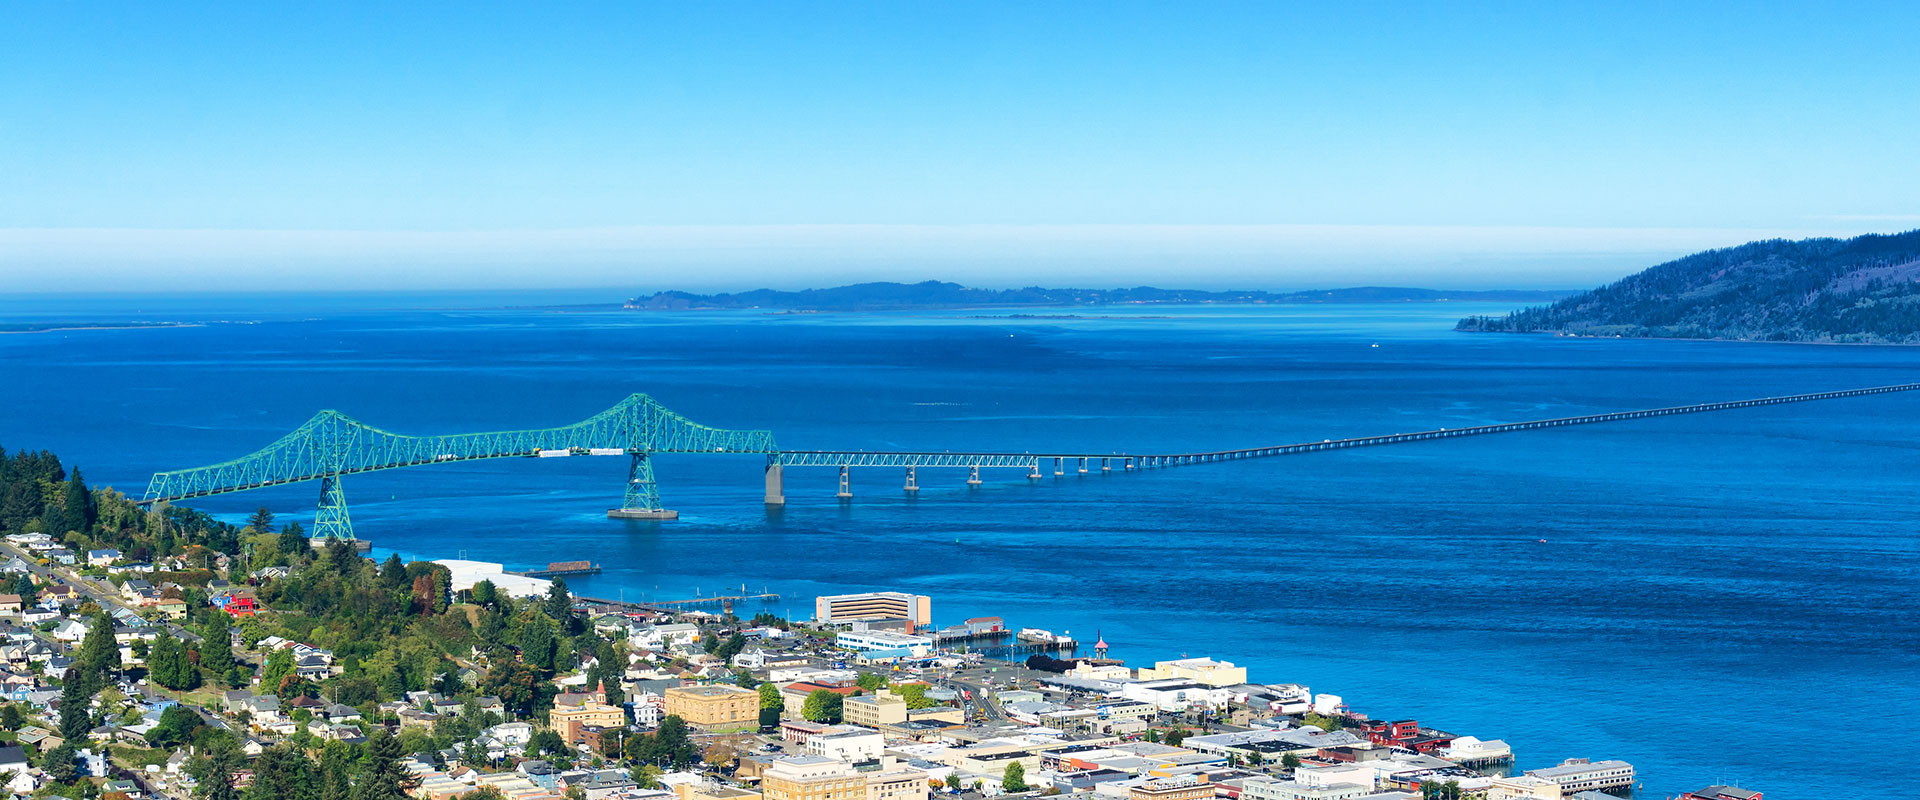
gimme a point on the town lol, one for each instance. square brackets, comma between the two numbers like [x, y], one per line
[216, 661]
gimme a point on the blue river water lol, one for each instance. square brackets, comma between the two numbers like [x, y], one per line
[1704, 596]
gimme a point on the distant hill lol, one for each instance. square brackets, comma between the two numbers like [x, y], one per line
[1861, 290]
[938, 294]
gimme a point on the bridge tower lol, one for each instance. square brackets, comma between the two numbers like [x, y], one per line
[331, 520]
[643, 495]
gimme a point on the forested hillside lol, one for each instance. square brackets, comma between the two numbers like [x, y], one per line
[1861, 290]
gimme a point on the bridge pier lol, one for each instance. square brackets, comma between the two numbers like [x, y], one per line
[846, 486]
[776, 484]
[1106, 465]
[1083, 466]
[973, 477]
[912, 487]
[643, 497]
[1035, 474]
[1059, 467]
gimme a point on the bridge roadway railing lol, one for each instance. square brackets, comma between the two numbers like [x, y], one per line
[1032, 461]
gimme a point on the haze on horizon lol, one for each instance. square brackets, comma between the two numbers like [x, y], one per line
[1261, 145]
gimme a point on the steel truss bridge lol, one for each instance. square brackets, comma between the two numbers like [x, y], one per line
[332, 445]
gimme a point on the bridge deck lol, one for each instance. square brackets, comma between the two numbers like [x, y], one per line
[872, 458]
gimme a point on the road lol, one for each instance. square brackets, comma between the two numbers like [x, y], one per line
[102, 597]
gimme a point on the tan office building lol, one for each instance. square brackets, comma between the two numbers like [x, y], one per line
[875, 710]
[714, 707]
[914, 608]
[811, 778]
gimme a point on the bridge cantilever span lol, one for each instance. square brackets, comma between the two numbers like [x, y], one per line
[332, 445]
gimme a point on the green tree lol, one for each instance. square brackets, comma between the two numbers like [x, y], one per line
[546, 742]
[537, 644]
[382, 777]
[770, 696]
[168, 665]
[1288, 762]
[177, 725]
[77, 505]
[870, 681]
[261, 521]
[10, 717]
[283, 772]
[279, 665]
[484, 593]
[1176, 736]
[58, 763]
[1015, 778]
[293, 543]
[559, 603]
[953, 781]
[336, 771]
[76, 717]
[823, 706]
[672, 745]
[216, 647]
[393, 574]
[215, 766]
[99, 654]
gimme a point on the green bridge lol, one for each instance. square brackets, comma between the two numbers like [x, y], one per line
[333, 445]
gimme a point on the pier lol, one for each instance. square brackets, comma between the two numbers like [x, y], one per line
[561, 568]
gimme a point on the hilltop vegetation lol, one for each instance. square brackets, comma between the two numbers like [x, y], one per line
[938, 294]
[1860, 290]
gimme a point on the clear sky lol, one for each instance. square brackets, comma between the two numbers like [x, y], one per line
[688, 145]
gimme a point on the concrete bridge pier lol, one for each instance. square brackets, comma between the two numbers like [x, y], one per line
[973, 477]
[913, 486]
[1035, 474]
[1106, 465]
[846, 486]
[776, 485]
[1083, 466]
[1059, 467]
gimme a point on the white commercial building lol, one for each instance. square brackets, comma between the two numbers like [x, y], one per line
[468, 573]
[885, 643]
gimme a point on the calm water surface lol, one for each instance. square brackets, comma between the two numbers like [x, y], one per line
[1710, 591]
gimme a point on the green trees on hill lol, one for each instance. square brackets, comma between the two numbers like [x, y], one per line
[1813, 290]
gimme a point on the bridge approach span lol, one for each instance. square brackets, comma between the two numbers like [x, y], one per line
[1083, 462]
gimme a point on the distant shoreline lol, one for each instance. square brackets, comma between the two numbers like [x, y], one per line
[132, 326]
[941, 296]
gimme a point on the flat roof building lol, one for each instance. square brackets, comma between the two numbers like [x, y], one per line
[714, 707]
[916, 609]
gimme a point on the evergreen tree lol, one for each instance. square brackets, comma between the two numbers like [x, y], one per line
[393, 574]
[336, 771]
[261, 521]
[293, 542]
[58, 764]
[216, 647]
[99, 653]
[537, 643]
[381, 775]
[483, 593]
[76, 717]
[279, 665]
[214, 768]
[77, 506]
[282, 772]
[559, 604]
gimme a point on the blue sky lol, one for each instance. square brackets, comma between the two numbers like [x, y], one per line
[729, 145]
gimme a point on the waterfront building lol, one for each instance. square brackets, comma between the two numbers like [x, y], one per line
[885, 644]
[916, 609]
[1579, 775]
[1198, 670]
[714, 707]
[1524, 787]
[1261, 787]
